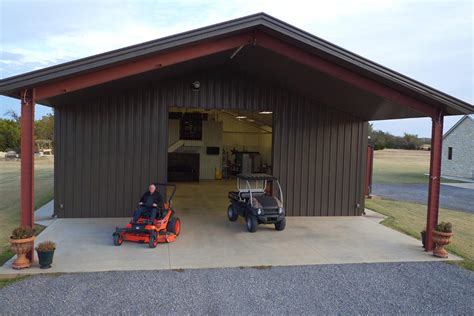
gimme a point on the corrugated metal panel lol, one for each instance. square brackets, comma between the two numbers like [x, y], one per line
[109, 148]
[317, 155]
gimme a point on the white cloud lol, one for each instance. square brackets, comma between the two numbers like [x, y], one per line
[99, 34]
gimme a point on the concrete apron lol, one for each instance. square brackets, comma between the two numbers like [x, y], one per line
[210, 240]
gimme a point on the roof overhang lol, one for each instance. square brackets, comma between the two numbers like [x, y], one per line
[263, 44]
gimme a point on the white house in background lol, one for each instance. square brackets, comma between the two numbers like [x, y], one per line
[458, 149]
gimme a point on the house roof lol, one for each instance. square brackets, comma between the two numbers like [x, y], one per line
[458, 123]
[257, 22]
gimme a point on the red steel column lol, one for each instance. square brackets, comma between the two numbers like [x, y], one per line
[27, 161]
[434, 180]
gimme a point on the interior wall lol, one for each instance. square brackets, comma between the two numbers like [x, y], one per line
[265, 148]
[244, 136]
[228, 133]
[211, 137]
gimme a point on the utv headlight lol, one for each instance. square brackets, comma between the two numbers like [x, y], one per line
[259, 211]
[280, 210]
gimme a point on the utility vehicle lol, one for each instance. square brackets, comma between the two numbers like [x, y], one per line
[259, 199]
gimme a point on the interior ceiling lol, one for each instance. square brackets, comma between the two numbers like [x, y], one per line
[276, 69]
[263, 121]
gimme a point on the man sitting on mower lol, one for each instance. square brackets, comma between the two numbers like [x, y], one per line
[149, 204]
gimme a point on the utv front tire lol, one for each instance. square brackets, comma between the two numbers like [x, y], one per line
[280, 225]
[231, 214]
[251, 222]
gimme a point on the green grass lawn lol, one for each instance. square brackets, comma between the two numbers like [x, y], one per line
[10, 196]
[411, 166]
[410, 218]
[402, 166]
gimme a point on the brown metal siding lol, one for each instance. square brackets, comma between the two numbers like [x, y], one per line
[317, 155]
[109, 148]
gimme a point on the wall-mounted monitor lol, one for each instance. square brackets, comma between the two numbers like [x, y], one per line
[213, 150]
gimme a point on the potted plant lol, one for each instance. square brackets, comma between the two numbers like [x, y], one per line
[441, 237]
[45, 251]
[21, 242]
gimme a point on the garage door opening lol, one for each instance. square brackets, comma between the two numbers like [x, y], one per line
[208, 148]
[217, 144]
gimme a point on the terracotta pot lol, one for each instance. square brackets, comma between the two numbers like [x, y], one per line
[21, 247]
[441, 239]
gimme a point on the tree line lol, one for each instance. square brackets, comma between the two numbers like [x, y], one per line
[10, 132]
[381, 140]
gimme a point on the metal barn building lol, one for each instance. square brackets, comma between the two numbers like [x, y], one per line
[113, 113]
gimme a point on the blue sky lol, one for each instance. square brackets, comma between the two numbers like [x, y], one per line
[430, 41]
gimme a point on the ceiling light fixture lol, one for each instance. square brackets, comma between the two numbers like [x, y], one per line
[240, 117]
[265, 112]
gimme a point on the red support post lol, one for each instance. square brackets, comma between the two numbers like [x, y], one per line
[435, 177]
[27, 160]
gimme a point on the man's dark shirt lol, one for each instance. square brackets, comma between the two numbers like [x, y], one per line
[149, 198]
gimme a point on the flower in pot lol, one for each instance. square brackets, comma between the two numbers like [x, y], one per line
[45, 251]
[21, 242]
[441, 237]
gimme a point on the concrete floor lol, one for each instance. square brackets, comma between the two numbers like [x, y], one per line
[210, 240]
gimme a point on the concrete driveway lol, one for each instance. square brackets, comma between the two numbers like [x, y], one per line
[455, 196]
[209, 240]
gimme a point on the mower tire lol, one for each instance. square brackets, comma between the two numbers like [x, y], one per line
[280, 225]
[174, 226]
[251, 223]
[118, 240]
[153, 242]
[231, 214]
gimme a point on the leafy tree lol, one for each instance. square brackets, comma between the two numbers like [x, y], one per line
[44, 127]
[10, 132]
[381, 140]
[9, 135]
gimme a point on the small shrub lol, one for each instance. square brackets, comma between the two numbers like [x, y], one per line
[444, 227]
[47, 245]
[23, 232]
[379, 147]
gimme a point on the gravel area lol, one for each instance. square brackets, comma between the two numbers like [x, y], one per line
[450, 197]
[433, 287]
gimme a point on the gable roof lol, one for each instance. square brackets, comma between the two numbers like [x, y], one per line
[458, 123]
[261, 22]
